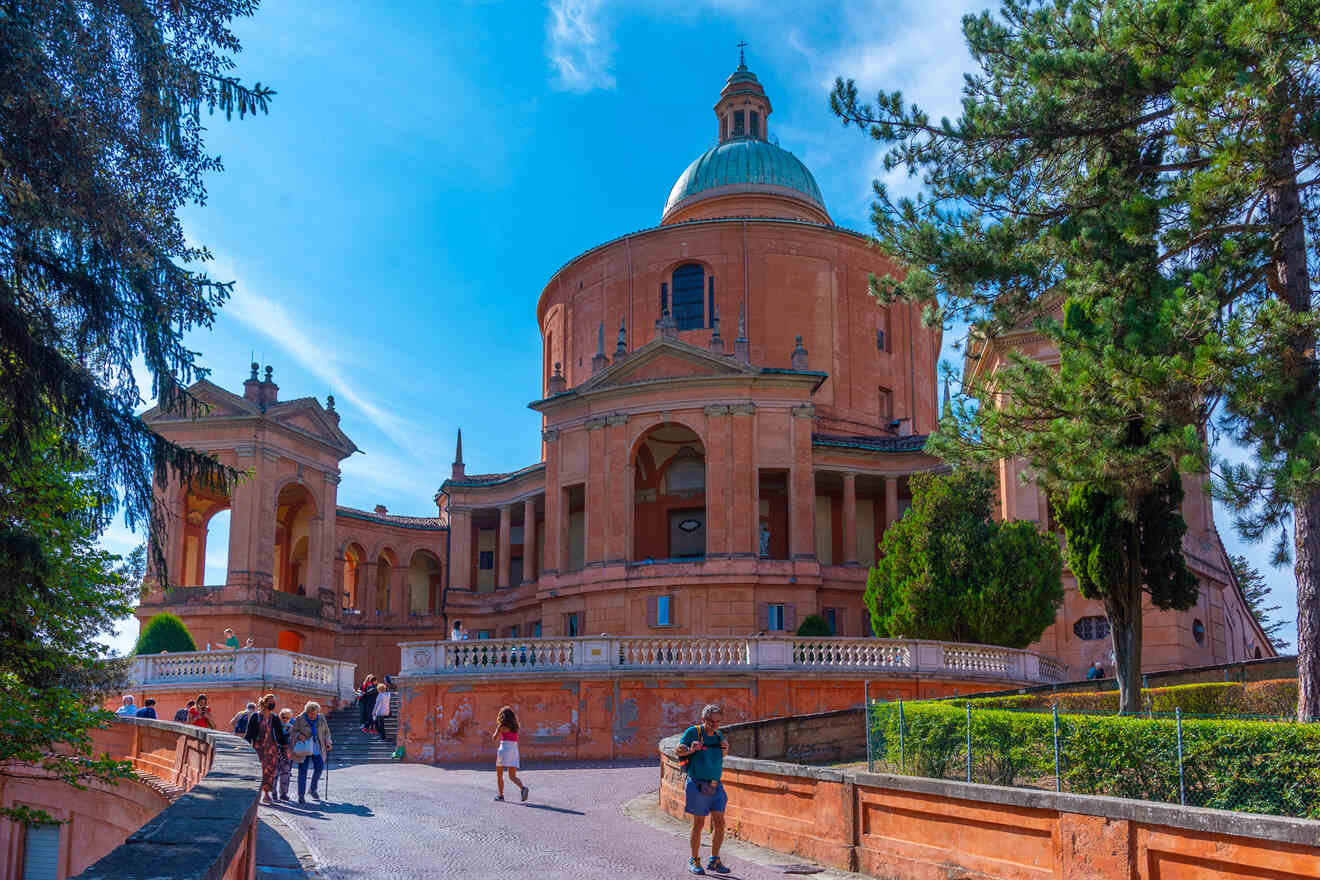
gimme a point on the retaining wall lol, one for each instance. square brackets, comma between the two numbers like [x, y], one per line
[613, 715]
[911, 828]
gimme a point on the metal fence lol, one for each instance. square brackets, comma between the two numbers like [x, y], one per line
[1236, 763]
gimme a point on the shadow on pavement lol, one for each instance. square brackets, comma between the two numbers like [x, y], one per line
[318, 810]
[553, 809]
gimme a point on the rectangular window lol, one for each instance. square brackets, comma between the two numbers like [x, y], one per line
[756, 124]
[832, 619]
[689, 282]
[886, 400]
[880, 340]
[724, 128]
[485, 634]
[536, 629]
[739, 124]
[41, 852]
[571, 624]
[487, 560]
[511, 632]
[663, 605]
[775, 619]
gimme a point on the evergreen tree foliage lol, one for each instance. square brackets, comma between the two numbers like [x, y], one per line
[1257, 593]
[1079, 196]
[61, 595]
[814, 625]
[101, 143]
[948, 571]
[164, 632]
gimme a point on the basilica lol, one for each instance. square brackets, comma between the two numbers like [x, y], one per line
[728, 424]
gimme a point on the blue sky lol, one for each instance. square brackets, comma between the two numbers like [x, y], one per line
[424, 170]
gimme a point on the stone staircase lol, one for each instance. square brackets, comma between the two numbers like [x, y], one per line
[352, 746]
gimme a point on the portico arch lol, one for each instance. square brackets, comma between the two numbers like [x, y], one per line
[424, 582]
[386, 560]
[669, 494]
[295, 507]
[354, 558]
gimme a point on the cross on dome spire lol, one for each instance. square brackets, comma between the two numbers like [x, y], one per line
[742, 59]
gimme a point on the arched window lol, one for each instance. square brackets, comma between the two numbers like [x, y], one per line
[689, 281]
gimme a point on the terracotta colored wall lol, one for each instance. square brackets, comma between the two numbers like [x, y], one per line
[613, 716]
[907, 828]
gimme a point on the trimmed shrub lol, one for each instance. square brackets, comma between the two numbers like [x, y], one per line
[1253, 766]
[1272, 699]
[814, 625]
[164, 632]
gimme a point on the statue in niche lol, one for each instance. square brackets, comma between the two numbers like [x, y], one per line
[765, 540]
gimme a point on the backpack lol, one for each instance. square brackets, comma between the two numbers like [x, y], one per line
[240, 726]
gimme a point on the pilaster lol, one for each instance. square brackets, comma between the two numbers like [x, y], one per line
[505, 546]
[529, 541]
[849, 519]
[460, 548]
[802, 487]
[620, 485]
[719, 468]
[596, 494]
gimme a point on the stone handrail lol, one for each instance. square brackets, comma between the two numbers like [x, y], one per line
[251, 665]
[741, 653]
[210, 832]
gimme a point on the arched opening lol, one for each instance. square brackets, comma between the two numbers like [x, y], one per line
[354, 556]
[424, 582]
[215, 548]
[384, 568]
[294, 509]
[288, 640]
[669, 499]
[201, 506]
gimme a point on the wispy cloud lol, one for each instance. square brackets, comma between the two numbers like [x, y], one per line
[579, 45]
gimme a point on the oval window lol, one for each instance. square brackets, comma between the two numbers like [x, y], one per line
[1198, 631]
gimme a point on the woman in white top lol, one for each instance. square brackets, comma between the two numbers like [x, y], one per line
[382, 709]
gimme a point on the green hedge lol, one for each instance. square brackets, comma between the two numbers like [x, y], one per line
[1254, 766]
[1274, 699]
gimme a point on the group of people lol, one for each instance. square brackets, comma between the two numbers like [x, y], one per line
[231, 641]
[197, 712]
[374, 705]
[281, 740]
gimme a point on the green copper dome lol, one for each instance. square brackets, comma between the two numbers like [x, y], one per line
[744, 165]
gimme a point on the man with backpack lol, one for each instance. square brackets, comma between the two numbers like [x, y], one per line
[239, 722]
[702, 748]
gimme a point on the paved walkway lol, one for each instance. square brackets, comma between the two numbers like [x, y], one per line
[586, 821]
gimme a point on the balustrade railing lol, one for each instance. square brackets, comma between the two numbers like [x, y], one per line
[912, 656]
[215, 669]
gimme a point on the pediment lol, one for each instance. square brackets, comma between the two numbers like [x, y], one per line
[306, 415]
[217, 402]
[665, 359]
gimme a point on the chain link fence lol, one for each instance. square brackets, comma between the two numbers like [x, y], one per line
[1225, 762]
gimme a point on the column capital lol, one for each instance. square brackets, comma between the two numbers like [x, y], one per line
[595, 422]
[333, 478]
[615, 419]
[742, 409]
[805, 411]
[550, 436]
[717, 409]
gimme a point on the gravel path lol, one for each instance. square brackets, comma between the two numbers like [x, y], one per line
[584, 821]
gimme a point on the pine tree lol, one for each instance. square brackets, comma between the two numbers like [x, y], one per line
[1044, 207]
[101, 143]
[1257, 593]
[948, 571]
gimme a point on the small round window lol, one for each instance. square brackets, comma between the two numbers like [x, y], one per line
[1198, 631]
[1090, 629]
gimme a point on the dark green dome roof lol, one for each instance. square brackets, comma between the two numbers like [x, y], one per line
[743, 165]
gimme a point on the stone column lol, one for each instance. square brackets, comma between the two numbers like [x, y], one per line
[891, 500]
[504, 545]
[314, 577]
[529, 540]
[263, 530]
[744, 507]
[554, 503]
[802, 488]
[244, 501]
[460, 548]
[596, 492]
[849, 519]
[337, 581]
[618, 507]
[367, 590]
[401, 592]
[719, 469]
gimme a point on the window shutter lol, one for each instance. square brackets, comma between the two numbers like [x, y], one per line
[652, 611]
[763, 611]
[41, 852]
[790, 618]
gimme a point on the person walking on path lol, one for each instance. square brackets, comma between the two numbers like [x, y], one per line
[266, 734]
[310, 735]
[380, 710]
[284, 769]
[238, 724]
[183, 714]
[367, 702]
[128, 708]
[148, 709]
[231, 640]
[704, 748]
[200, 714]
[506, 753]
